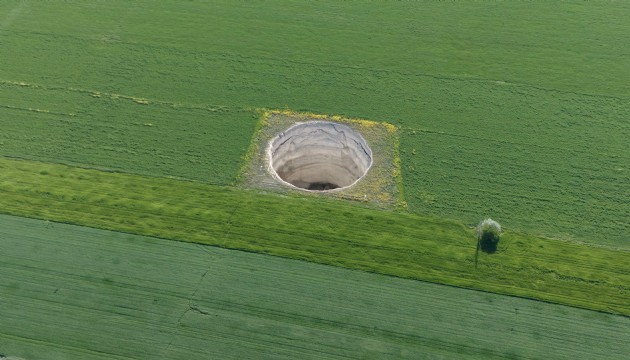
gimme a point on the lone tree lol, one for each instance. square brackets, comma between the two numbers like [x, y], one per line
[488, 235]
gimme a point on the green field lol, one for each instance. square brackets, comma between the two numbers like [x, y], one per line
[508, 110]
[324, 231]
[69, 292]
[108, 131]
[141, 117]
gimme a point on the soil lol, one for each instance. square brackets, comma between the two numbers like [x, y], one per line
[319, 156]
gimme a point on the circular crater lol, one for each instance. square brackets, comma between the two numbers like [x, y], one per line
[319, 156]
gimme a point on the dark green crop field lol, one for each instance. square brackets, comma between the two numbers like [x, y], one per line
[70, 292]
[512, 110]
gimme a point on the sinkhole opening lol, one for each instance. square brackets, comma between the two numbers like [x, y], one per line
[319, 156]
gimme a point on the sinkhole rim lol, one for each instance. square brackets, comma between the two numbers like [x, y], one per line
[365, 162]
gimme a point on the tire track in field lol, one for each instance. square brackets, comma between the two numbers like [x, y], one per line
[115, 96]
[10, 107]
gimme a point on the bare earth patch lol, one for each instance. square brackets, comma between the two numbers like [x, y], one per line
[321, 155]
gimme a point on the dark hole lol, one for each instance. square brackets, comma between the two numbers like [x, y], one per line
[319, 186]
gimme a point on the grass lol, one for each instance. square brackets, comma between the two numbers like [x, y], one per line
[319, 230]
[517, 112]
[112, 131]
[71, 292]
[557, 168]
[542, 97]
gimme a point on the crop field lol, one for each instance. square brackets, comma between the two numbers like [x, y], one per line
[393, 243]
[173, 300]
[113, 132]
[525, 122]
[139, 118]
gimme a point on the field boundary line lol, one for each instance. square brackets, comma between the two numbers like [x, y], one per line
[116, 96]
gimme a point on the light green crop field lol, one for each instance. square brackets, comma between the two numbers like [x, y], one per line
[319, 230]
[70, 292]
[512, 110]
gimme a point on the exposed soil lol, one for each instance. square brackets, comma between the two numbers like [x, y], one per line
[319, 156]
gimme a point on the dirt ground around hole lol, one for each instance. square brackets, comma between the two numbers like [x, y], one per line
[382, 185]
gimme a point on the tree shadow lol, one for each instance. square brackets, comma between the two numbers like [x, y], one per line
[489, 247]
[488, 243]
[477, 254]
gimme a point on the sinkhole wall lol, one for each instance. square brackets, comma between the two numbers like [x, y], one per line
[319, 156]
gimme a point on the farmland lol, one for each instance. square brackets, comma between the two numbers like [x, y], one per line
[139, 118]
[109, 131]
[62, 283]
[498, 120]
[393, 243]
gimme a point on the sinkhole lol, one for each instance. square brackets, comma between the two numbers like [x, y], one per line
[319, 156]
